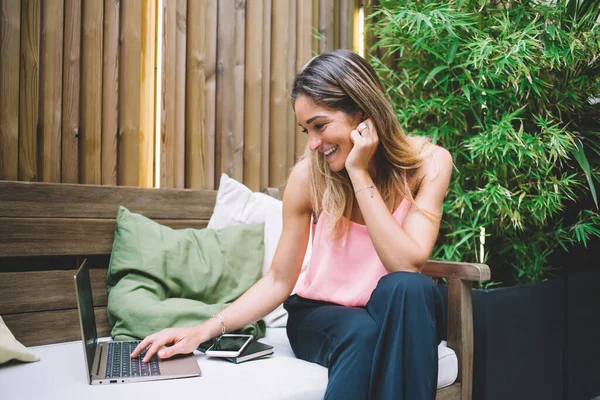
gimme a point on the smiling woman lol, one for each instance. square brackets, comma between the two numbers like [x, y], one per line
[375, 197]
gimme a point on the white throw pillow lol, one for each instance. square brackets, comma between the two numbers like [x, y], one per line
[11, 348]
[237, 204]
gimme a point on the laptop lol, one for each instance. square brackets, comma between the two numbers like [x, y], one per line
[108, 362]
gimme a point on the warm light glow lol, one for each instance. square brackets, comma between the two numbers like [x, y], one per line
[361, 31]
[158, 85]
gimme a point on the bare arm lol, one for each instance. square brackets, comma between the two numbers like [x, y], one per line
[406, 247]
[266, 294]
[276, 286]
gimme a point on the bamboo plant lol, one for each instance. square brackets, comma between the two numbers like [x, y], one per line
[510, 88]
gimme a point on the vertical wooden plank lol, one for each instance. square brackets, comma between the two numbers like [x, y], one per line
[28, 89]
[342, 12]
[71, 91]
[327, 25]
[210, 175]
[316, 42]
[279, 99]
[195, 91]
[235, 145]
[225, 87]
[10, 43]
[347, 13]
[266, 95]
[128, 154]
[179, 142]
[110, 92]
[51, 51]
[336, 24]
[290, 131]
[91, 94]
[167, 129]
[148, 92]
[303, 55]
[253, 94]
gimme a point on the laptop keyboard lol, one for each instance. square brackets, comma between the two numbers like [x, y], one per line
[120, 365]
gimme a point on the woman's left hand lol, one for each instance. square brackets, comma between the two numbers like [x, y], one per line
[365, 141]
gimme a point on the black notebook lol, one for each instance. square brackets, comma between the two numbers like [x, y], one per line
[253, 351]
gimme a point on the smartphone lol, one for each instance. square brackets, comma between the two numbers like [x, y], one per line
[230, 345]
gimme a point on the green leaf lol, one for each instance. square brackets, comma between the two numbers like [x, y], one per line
[467, 92]
[434, 72]
[581, 158]
[452, 51]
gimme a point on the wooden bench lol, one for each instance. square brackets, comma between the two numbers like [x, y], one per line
[46, 230]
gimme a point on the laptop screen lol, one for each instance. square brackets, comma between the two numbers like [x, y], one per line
[86, 313]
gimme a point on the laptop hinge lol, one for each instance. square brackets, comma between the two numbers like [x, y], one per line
[97, 359]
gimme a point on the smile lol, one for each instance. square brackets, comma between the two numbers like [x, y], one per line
[331, 150]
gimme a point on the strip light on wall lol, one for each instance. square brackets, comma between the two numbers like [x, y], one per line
[361, 31]
[158, 93]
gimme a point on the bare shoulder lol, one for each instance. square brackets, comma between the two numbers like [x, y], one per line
[437, 162]
[435, 170]
[297, 190]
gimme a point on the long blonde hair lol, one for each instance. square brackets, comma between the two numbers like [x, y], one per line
[342, 80]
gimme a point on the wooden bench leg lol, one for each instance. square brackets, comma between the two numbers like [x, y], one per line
[460, 332]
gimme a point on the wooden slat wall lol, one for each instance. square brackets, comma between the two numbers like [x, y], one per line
[85, 74]
[266, 99]
[195, 103]
[235, 144]
[129, 94]
[91, 93]
[51, 52]
[168, 165]
[304, 36]
[10, 43]
[28, 89]
[279, 104]
[110, 92]
[71, 82]
[291, 73]
[226, 34]
[253, 94]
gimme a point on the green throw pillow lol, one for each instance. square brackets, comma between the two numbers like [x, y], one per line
[160, 277]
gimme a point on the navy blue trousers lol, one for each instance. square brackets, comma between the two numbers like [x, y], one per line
[386, 350]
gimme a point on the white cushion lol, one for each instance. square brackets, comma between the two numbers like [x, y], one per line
[236, 204]
[11, 348]
[447, 365]
[62, 375]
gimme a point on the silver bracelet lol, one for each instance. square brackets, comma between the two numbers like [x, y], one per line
[220, 319]
[371, 186]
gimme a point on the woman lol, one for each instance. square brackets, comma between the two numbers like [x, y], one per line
[375, 197]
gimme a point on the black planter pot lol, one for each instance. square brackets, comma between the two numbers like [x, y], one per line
[519, 342]
[583, 335]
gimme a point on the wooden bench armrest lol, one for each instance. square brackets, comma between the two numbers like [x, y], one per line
[460, 276]
[459, 270]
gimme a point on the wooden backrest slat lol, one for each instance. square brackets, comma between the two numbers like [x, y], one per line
[66, 236]
[22, 292]
[51, 200]
[33, 329]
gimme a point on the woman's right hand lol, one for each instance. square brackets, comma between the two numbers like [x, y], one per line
[182, 340]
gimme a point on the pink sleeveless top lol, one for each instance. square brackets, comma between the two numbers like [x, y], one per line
[341, 273]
